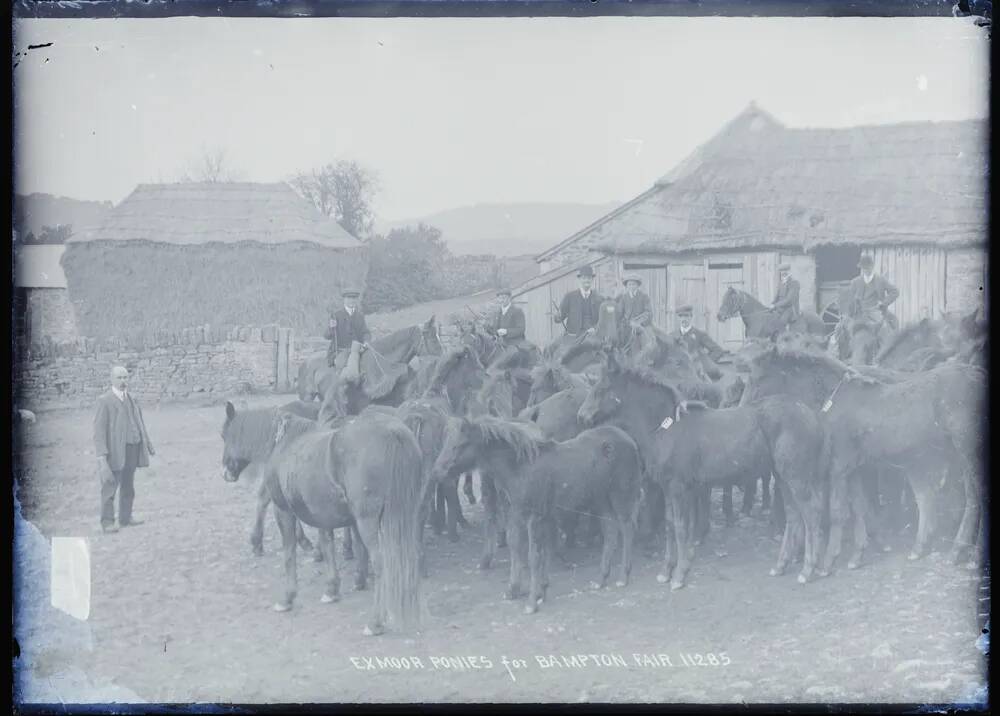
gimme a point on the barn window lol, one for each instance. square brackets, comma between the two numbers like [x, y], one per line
[730, 265]
[837, 263]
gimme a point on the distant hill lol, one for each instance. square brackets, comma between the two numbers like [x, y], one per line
[508, 229]
[34, 211]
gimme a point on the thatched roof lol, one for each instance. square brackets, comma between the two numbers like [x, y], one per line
[760, 184]
[200, 213]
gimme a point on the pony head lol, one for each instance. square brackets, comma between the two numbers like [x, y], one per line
[247, 436]
[602, 401]
[731, 305]
[607, 322]
[459, 450]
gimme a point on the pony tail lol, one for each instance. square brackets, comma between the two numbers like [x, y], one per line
[399, 529]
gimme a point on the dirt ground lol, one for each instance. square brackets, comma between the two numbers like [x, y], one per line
[181, 609]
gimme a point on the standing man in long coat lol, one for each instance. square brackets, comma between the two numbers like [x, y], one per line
[347, 324]
[580, 309]
[634, 309]
[121, 444]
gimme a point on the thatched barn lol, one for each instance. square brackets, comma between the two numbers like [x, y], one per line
[172, 256]
[758, 194]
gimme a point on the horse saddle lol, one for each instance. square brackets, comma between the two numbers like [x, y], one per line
[378, 376]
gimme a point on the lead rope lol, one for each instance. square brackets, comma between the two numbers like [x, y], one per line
[829, 401]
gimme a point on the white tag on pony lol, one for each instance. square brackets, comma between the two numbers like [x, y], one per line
[667, 422]
[827, 405]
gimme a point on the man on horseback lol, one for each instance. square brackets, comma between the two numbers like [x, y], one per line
[697, 342]
[580, 309]
[786, 302]
[634, 309]
[508, 324]
[346, 325]
[872, 295]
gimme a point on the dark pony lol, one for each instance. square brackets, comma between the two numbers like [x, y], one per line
[686, 445]
[549, 378]
[761, 322]
[456, 375]
[598, 469]
[924, 424]
[504, 393]
[367, 473]
[916, 347]
[398, 347]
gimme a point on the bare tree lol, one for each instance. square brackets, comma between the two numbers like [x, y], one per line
[343, 191]
[212, 166]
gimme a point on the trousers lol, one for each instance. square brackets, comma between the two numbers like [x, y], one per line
[124, 486]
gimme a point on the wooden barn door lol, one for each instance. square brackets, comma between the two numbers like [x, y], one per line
[718, 278]
[686, 283]
[919, 275]
[654, 283]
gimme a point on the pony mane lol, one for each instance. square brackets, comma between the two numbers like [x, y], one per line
[576, 350]
[447, 363]
[255, 430]
[924, 326]
[387, 343]
[526, 439]
[644, 375]
[696, 405]
[706, 393]
[798, 356]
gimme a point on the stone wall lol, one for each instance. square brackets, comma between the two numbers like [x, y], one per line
[198, 361]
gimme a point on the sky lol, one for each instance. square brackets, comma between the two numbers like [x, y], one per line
[454, 112]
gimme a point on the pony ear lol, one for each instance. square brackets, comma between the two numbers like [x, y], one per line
[611, 362]
[430, 322]
[230, 410]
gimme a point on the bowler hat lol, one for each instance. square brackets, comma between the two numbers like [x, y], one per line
[866, 262]
[686, 310]
[586, 271]
[349, 292]
[631, 277]
[785, 267]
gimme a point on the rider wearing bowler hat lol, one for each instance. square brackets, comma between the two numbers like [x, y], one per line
[633, 308]
[872, 293]
[347, 324]
[580, 309]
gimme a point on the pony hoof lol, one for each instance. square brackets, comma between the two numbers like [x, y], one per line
[621, 583]
[774, 572]
[886, 548]
[674, 586]
[348, 555]
[661, 578]
[280, 607]
[485, 564]
[530, 609]
[453, 538]
[913, 556]
[803, 579]
[373, 631]
[329, 599]
[596, 585]
[823, 572]
[852, 564]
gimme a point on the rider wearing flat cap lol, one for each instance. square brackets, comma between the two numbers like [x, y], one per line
[580, 309]
[786, 302]
[634, 309]
[509, 321]
[347, 324]
[695, 341]
[872, 293]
